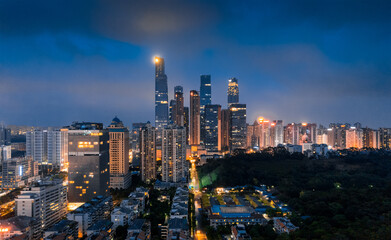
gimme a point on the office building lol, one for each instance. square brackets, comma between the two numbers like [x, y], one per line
[212, 124]
[174, 165]
[148, 152]
[238, 129]
[205, 99]
[161, 94]
[5, 135]
[195, 126]
[233, 91]
[88, 174]
[225, 129]
[120, 177]
[45, 201]
[5, 152]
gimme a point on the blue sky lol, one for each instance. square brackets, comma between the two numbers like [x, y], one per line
[312, 61]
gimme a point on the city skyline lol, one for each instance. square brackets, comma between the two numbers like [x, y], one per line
[290, 64]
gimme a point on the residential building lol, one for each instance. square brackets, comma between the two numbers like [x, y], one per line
[195, 126]
[225, 129]
[174, 165]
[120, 177]
[17, 172]
[99, 208]
[22, 227]
[354, 138]
[45, 201]
[283, 225]
[148, 152]
[66, 229]
[239, 232]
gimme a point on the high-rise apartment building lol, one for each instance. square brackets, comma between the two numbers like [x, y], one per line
[161, 94]
[174, 165]
[212, 126]
[179, 113]
[385, 138]
[186, 123]
[88, 173]
[238, 129]
[307, 133]
[195, 126]
[233, 91]
[292, 134]
[120, 177]
[45, 201]
[148, 152]
[354, 138]
[225, 129]
[172, 111]
[5, 135]
[47, 147]
[278, 132]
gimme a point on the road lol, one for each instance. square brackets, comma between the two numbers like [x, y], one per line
[199, 234]
[7, 208]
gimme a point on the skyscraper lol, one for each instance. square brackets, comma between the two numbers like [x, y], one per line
[172, 111]
[179, 108]
[278, 132]
[194, 118]
[212, 138]
[238, 126]
[120, 177]
[178, 89]
[148, 152]
[186, 122]
[161, 94]
[205, 99]
[5, 135]
[174, 166]
[225, 129]
[88, 173]
[233, 91]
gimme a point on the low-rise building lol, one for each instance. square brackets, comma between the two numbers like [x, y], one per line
[230, 215]
[283, 225]
[99, 208]
[65, 229]
[22, 227]
[98, 227]
[294, 148]
[122, 216]
[178, 228]
[139, 229]
[239, 232]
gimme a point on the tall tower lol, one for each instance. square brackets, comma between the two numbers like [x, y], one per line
[161, 94]
[233, 91]
[238, 126]
[205, 99]
[120, 176]
[225, 129]
[194, 118]
[212, 138]
[148, 152]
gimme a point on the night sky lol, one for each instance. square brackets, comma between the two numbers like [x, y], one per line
[311, 61]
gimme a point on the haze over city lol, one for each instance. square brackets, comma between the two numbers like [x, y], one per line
[302, 61]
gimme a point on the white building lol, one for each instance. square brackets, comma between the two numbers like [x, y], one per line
[283, 225]
[122, 216]
[46, 146]
[5, 152]
[46, 201]
[174, 165]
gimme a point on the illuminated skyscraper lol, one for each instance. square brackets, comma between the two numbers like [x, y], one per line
[233, 91]
[148, 152]
[354, 138]
[205, 99]
[120, 177]
[179, 113]
[174, 165]
[172, 111]
[194, 118]
[186, 122]
[238, 126]
[161, 94]
[88, 173]
[212, 138]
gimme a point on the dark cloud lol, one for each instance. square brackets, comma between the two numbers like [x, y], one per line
[295, 60]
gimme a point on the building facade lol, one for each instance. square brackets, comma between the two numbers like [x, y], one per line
[120, 177]
[174, 165]
[161, 94]
[238, 125]
[88, 158]
[212, 128]
[195, 127]
[148, 152]
[233, 91]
